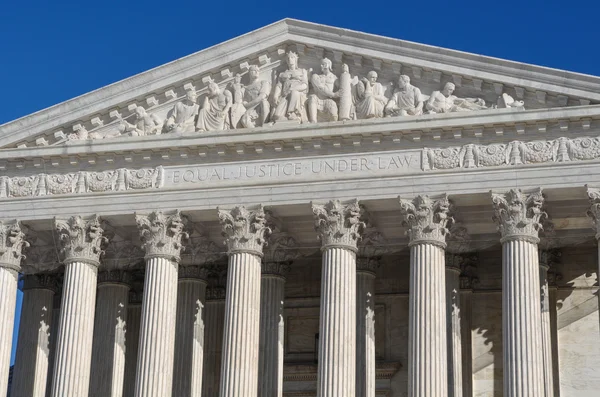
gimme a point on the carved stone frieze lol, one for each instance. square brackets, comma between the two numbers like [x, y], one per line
[519, 214]
[162, 235]
[514, 153]
[197, 272]
[115, 276]
[81, 182]
[427, 219]
[338, 224]
[244, 230]
[41, 281]
[81, 239]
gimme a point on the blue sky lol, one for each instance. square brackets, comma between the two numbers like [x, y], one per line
[51, 51]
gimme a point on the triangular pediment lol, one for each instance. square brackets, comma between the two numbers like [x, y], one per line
[106, 113]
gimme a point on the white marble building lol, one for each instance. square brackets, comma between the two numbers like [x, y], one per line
[307, 211]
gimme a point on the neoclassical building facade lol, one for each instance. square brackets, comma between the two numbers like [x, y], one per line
[307, 211]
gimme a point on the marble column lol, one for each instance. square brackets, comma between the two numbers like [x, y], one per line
[594, 213]
[81, 241]
[108, 349]
[518, 216]
[548, 297]
[161, 236]
[365, 326]
[214, 320]
[466, 309]
[132, 339]
[189, 337]
[338, 227]
[53, 340]
[31, 362]
[427, 223]
[453, 323]
[245, 233]
[12, 239]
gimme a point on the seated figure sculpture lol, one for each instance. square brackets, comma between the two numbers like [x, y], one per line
[290, 92]
[445, 102]
[406, 101]
[255, 99]
[143, 124]
[371, 100]
[321, 104]
[182, 116]
[214, 115]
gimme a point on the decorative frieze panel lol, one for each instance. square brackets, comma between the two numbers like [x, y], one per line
[514, 153]
[81, 182]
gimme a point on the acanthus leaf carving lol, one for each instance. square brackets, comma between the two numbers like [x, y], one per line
[41, 258]
[41, 281]
[162, 235]
[81, 239]
[519, 214]
[244, 230]
[338, 225]
[281, 248]
[428, 220]
[12, 242]
[197, 272]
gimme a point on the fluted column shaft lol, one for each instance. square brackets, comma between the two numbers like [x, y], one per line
[239, 367]
[75, 331]
[132, 340]
[427, 354]
[189, 338]
[53, 340]
[365, 333]
[554, 339]
[466, 304]
[521, 320]
[8, 297]
[548, 366]
[30, 376]
[108, 352]
[453, 316]
[271, 341]
[154, 374]
[213, 337]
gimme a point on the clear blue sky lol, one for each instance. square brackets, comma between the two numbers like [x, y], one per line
[51, 51]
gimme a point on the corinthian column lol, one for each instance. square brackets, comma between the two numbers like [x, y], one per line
[547, 258]
[245, 233]
[132, 340]
[594, 213]
[108, 349]
[161, 237]
[338, 227]
[518, 217]
[189, 338]
[12, 240]
[81, 241]
[453, 324]
[213, 338]
[31, 364]
[427, 221]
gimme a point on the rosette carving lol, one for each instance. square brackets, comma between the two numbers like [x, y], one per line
[81, 239]
[427, 219]
[162, 235]
[519, 214]
[338, 225]
[594, 211]
[12, 242]
[244, 230]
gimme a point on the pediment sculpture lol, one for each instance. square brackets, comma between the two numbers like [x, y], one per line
[294, 94]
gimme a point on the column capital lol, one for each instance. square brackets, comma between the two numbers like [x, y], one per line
[278, 269]
[519, 214]
[81, 239]
[162, 234]
[594, 210]
[12, 242]
[194, 272]
[281, 248]
[244, 230]
[41, 281]
[367, 264]
[337, 224]
[115, 276]
[427, 219]
[215, 293]
[40, 259]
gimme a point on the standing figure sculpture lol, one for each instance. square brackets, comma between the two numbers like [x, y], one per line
[290, 92]
[371, 100]
[143, 124]
[406, 101]
[182, 116]
[214, 115]
[445, 102]
[237, 107]
[321, 104]
[255, 99]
